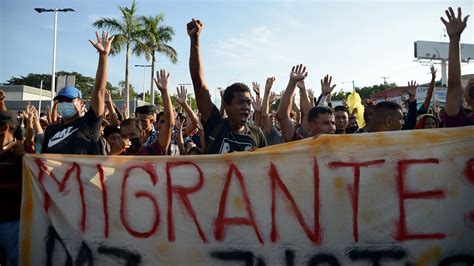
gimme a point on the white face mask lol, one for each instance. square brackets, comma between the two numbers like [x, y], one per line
[67, 110]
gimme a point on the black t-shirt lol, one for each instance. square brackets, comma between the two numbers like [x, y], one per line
[220, 138]
[80, 137]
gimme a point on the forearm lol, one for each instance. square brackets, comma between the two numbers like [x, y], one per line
[30, 134]
[429, 94]
[37, 126]
[112, 114]
[266, 122]
[455, 91]
[98, 93]
[167, 129]
[182, 150]
[258, 116]
[3, 106]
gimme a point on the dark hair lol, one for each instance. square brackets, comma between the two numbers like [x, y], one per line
[132, 121]
[341, 108]
[387, 106]
[110, 129]
[367, 108]
[314, 112]
[6, 117]
[229, 91]
[146, 109]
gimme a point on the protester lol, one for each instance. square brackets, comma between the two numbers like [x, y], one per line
[427, 121]
[147, 116]
[353, 124]
[342, 119]
[455, 115]
[81, 134]
[232, 133]
[11, 155]
[133, 134]
[388, 116]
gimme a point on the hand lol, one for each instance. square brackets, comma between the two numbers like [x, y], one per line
[257, 103]
[108, 97]
[411, 90]
[269, 83]
[326, 87]
[298, 73]
[2, 95]
[256, 88]
[104, 44]
[161, 80]
[301, 85]
[182, 94]
[433, 72]
[126, 144]
[30, 111]
[311, 93]
[194, 28]
[454, 26]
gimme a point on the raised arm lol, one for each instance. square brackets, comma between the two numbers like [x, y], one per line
[193, 121]
[265, 118]
[161, 82]
[103, 46]
[201, 91]
[429, 93]
[410, 119]
[110, 106]
[305, 106]
[454, 27]
[326, 90]
[283, 115]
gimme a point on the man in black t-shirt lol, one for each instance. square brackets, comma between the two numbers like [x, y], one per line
[80, 134]
[232, 133]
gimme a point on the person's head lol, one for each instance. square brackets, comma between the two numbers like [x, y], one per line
[113, 137]
[8, 125]
[321, 121]
[160, 120]
[341, 114]
[353, 124]
[369, 115]
[388, 116]
[70, 103]
[131, 129]
[427, 121]
[146, 115]
[237, 103]
[20, 113]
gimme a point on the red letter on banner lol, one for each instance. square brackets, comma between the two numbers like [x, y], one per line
[222, 221]
[403, 194]
[183, 195]
[315, 234]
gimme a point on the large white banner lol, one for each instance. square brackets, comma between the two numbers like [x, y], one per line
[401, 198]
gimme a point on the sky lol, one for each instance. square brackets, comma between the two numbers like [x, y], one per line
[245, 41]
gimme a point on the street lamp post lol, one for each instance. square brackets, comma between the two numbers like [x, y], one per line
[144, 76]
[53, 74]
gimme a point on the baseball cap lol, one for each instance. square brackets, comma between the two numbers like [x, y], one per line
[69, 92]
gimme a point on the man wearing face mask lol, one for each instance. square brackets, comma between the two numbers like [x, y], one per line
[80, 134]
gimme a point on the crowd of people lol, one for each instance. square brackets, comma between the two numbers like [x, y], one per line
[243, 121]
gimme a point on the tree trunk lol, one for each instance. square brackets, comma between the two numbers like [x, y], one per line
[127, 86]
[152, 91]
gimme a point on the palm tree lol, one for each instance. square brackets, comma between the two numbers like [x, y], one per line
[154, 39]
[126, 32]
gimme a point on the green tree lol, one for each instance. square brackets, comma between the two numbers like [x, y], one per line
[154, 38]
[366, 92]
[132, 91]
[126, 32]
[83, 83]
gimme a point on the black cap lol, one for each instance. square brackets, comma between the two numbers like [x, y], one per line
[6, 117]
[146, 109]
[110, 129]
